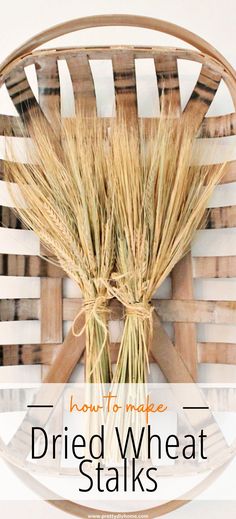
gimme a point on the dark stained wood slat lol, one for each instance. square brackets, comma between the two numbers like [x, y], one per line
[20, 92]
[82, 81]
[8, 218]
[51, 310]
[185, 332]
[27, 354]
[25, 101]
[222, 217]
[11, 125]
[19, 309]
[168, 83]
[49, 86]
[125, 82]
[202, 95]
[218, 126]
[215, 267]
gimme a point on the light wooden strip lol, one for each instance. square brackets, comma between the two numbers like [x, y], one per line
[125, 82]
[51, 310]
[49, 86]
[168, 82]
[214, 267]
[191, 311]
[185, 333]
[82, 81]
[172, 310]
[221, 217]
[203, 94]
[25, 101]
[216, 353]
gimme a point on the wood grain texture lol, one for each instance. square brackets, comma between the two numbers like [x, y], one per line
[125, 82]
[218, 126]
[21, 93]
[27, 354]
[51, 310]
[44, 354]
[11, 125]
[221, 217]
[9, 219]
[214, 267]
[82, 82]
[170, 310]
[48, 86]
[168, 83]
[203, 94]
[185, 333]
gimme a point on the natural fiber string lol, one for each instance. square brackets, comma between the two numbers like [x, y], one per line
[92, 308]
[143, 311]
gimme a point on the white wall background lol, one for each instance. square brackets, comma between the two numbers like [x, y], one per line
[213, 20]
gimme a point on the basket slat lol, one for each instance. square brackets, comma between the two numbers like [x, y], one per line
[170, 310]
[125, 82]
[82, 81]
[51, 310]
[49, 86]
[203, 94]
[43, 354]
[215, 267]
[185, 333]
[21, 93]
[168, 83]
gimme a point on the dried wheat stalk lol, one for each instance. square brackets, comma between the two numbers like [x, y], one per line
[160, 202]
[144, 183]
[69, 204]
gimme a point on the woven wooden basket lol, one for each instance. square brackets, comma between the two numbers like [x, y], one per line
[56, 352]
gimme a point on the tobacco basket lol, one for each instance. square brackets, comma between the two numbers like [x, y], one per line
[178, 359]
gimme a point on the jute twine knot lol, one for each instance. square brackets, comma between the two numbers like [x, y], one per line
[93, 308]
[143, 310]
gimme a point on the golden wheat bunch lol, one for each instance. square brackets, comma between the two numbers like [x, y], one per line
[68, 202]
[160, 202]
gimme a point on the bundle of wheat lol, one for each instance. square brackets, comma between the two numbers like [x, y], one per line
[68, 202]
[161, 200]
